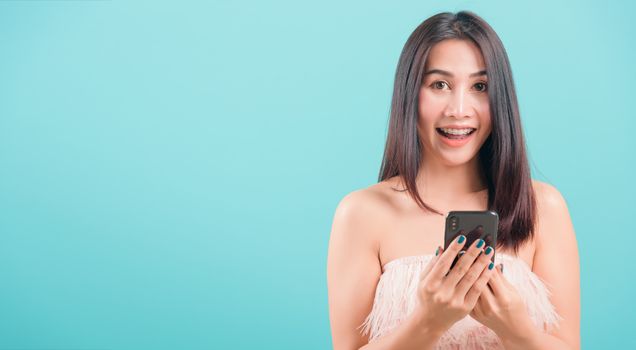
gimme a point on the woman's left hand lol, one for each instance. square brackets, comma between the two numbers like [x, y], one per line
[502, 309]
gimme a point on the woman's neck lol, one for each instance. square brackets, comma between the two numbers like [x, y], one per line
[444, 184]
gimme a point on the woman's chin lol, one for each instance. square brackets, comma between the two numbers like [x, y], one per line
[456, 158]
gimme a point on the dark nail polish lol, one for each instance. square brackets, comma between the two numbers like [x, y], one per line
[437, 251]
[488, 250]
[461, 240]
[491, 266]
[480, 243]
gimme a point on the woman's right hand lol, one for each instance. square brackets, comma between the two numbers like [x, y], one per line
[446, 297]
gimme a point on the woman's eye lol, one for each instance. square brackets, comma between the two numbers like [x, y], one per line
[481, 86]
[439, 84]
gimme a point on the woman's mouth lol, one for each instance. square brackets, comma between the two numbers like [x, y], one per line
[455, 137]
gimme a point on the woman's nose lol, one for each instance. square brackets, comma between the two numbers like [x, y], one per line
[458, 104]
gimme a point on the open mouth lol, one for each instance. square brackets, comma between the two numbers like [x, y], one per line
[456, 134]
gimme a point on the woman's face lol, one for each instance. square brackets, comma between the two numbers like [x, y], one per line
[454, 95]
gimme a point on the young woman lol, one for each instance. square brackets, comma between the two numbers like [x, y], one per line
[454, 143]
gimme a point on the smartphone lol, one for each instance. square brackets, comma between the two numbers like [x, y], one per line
[474, 225]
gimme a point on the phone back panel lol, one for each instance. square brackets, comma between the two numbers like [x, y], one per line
[474, 225]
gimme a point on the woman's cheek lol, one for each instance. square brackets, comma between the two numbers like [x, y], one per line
[434, 105]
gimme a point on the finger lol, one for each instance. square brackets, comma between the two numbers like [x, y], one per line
[476, 311]
[464, 263]
[496, 284]
[446, 258]
[478, 308]
[487, 296]
[432, 263]
[501, 275]
[479, 286]
[473, 274]
[487, 300]
[439, 251]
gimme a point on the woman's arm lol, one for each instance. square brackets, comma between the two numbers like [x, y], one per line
[411, 334]
[556, 261]
[353, 272]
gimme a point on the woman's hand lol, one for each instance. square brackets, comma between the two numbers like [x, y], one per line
[503, 310]
[446, 297]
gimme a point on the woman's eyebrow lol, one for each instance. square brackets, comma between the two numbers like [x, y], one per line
[447, 73]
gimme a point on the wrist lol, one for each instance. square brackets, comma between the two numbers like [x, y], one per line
[424, 326]
[523, 339]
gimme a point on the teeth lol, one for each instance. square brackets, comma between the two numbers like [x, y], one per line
[457, 131]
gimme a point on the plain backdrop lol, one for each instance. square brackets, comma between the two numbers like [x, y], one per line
[170, 170]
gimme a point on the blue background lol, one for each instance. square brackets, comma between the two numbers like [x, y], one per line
[169, 170]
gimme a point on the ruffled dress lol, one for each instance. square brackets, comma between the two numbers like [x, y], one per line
[395, 299]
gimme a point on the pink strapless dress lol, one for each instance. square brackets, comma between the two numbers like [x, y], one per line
[395, 299]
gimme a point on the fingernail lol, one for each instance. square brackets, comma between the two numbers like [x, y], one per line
[461, 240]
[480, 243]
[488, 250]
[501, 267]
[491, 266]
[437, 251]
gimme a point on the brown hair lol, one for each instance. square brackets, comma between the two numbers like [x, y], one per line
[502, 157]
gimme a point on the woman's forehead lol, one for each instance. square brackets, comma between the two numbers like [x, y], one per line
[459, 57]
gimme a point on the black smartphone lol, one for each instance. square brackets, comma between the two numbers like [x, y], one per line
[474, 225]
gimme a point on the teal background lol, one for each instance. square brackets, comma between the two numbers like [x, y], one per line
[169, 170]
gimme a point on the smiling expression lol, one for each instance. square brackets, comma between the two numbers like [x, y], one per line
[454, 94]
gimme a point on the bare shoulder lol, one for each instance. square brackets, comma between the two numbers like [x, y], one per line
[552, 211]
[353, 264]
[549, 197]
[372, 197]
[364, 209]
[556, 260]
[554, 224]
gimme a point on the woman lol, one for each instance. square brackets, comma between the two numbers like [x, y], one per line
[454, 143]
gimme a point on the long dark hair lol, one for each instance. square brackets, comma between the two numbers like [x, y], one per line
[502, 157]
